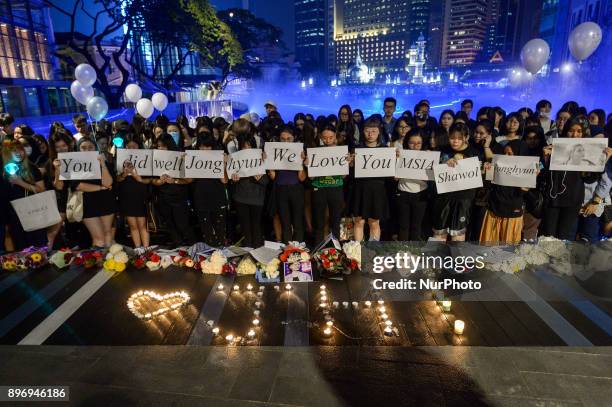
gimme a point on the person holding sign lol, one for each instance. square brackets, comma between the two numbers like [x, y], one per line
[133, 193]
[327, 192]
[451, 211]
[564, 190]
[503, 220]
[289, 195]
[99, 202]
[60, 142]
[411, 196]
[22, 179]
[369, 194]
[172, 197]
[210, 198]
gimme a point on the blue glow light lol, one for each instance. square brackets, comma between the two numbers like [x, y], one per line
[118, 142]
[11, 168]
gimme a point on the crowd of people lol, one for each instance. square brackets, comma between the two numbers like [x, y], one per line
[285, 205]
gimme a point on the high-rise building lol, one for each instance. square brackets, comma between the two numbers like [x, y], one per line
[310, 34]
[27, 85]
[378, 29]
[465, 28]
[436, 33]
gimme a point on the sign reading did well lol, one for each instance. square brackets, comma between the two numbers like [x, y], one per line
[168, 163]
[464, 175]
[375, 162]
[204, 164]
[142, 160]
[79, 166]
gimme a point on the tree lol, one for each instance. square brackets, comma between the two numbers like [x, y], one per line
[252, 35]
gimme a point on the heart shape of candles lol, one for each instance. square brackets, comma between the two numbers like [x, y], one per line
[149, 304]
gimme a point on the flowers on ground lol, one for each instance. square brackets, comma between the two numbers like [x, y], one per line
[246, 266]
[330, 259]
[214, 263]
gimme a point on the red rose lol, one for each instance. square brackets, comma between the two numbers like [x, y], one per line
[154, 257]
[326, 264]
[354, 264]
[283, 258]
[78, 261]
[332, 251]
[182, 253]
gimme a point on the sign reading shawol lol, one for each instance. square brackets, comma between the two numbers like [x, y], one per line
[464, 175]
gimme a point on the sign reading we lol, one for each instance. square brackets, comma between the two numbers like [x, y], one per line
[284, 156]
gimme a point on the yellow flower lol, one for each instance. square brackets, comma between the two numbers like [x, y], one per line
[119, 267]
[36, 257]
[109, 264]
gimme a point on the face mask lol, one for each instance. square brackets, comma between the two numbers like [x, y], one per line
[544, 114]
[28, 150]
[422, 116]
[175, 136]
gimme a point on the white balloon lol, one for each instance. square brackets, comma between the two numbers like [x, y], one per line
[133, 93]
[534, 55]
[584, 40]
[144, 107]
[85, 74]
[97, 108]
[160, 101]
[81, 93]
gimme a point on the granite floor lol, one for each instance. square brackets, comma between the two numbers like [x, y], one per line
[316, 376]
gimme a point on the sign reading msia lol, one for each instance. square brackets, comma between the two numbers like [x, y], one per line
[284, 156]
[246, 163]
[204, 164]
[79, 166]
[464, 175]
[168, 163]
[375, 162]
[415, 164]
[328, 161]
[142, 160]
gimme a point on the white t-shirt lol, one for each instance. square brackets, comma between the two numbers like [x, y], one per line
[411, 185]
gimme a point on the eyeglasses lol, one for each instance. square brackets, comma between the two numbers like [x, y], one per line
[403, 127]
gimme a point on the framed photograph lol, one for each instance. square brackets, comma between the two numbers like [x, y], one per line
[297, 271]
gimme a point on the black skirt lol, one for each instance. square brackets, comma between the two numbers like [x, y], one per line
[99, 203]
[369, 199]
[133, 197]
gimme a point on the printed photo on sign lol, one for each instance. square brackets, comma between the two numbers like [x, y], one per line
[204, 164]
[328, 161]
[515, 170]
[297, 271]
[246, 163]
[142, 160]
[465, 174]
[284, 156]
[79, 166]
[375, 162]
[168, 163]
[579, 154]
[414, 164]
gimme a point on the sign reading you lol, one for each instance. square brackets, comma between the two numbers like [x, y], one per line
[79, 166]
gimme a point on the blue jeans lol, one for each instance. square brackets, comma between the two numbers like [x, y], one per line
[588, 228]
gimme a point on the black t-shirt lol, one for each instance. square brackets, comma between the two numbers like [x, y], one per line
[446, 154]
[16, 192]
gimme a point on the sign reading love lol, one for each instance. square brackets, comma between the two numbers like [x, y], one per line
[149, 304]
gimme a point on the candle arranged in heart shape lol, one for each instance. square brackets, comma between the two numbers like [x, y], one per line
[149, 304]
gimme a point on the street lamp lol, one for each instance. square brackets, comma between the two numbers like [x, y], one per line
[567, 68]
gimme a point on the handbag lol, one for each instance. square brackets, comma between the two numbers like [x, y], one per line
[74, 207]
[38, 211]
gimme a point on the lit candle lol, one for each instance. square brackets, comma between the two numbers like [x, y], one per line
[236, 287]
[335, 304]
[355, 304]
[256, 312]
[446, 306]
[324, 298]
[368, 304]
[257, 304]
[251, 334]
[256, 322]
[229, 338]
[345, 304]
[276, 287]
[388, 331]
[323, 305]
[215, 330]
[459, 327]
[249, 287]
[322, 287]
[388, 322]
[384, 317]
[380, 302]
[330, 323]
[220, 287]
[288, 287]
[327, 331]
[261, 288]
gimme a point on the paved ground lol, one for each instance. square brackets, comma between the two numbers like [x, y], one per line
[317, 376]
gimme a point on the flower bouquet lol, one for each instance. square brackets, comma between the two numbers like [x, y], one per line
[34, 258]
[89, 259]
[352, 252]
[246, 266]
[62, 258]
[182, 259]
[116, 259]
[331, 260]
[214, 264]
[268, 273]
[12, 262]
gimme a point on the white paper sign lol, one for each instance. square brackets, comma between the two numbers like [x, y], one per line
[415, 164]
[204, 164]
[246, 163]
[327, 161]
[375, 162]
[284, 156]
[141, 159]
[169, 163]
[515, 170]
[578, 154]
[464, 175]
[37, 211]
[81, 166]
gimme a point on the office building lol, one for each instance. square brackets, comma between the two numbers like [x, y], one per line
[310, 34]
[465, 27]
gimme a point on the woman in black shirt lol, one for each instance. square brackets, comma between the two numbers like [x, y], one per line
[61, 142]
[99, 202]
[21, 179]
